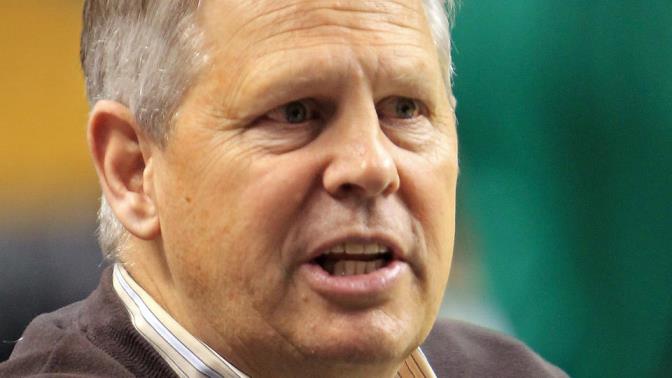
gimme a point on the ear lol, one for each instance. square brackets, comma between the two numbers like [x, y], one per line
[122, 157]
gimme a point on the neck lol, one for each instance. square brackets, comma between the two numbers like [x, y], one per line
[307, 367]
[146, 264]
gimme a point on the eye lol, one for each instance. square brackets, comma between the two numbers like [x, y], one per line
[407, 108]
[399, 108]
[295, 112]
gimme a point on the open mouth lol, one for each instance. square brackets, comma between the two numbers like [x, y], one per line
[349, 259]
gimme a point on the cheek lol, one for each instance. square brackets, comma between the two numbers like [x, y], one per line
[267, 205]
[429, 189]
[274, 197]
[247, 216]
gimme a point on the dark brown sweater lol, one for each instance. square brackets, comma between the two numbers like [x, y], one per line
[95, 337]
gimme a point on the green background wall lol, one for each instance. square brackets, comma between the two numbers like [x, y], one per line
[565, 112]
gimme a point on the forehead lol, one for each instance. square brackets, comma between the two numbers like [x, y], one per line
[252, 43]
[271, 21]
[263, 27]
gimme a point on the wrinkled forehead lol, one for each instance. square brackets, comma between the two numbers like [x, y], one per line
[256, 46]
[244, 26]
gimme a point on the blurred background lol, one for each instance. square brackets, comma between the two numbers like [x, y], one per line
[565, 205]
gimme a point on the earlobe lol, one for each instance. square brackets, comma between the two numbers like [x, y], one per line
[123, 162]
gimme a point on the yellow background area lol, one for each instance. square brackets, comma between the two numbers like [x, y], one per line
[44, 161]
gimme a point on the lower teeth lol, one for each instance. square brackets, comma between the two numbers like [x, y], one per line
[352, 267]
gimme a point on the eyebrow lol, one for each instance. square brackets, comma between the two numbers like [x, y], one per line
[290, 79]
[412, 74]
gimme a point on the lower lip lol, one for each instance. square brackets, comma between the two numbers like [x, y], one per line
[365, 287]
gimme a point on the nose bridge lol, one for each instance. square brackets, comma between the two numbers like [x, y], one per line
[369, 149]
[360, 160]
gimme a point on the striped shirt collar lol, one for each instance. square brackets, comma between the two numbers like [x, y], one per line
[190, 357]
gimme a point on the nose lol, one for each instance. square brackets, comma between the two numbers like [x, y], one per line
[361, 164]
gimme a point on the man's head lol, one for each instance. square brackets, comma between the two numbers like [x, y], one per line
[264, 136]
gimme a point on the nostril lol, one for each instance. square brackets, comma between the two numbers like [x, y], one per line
[347, 188]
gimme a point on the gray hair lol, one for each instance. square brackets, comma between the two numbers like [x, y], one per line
[145, 53]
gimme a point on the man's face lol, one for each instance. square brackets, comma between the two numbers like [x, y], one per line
[320, 125]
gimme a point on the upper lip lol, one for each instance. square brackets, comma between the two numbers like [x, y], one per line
[385, 239]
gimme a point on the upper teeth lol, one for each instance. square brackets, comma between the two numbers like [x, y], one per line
[358, 248]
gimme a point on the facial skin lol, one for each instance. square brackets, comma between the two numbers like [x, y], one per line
[239, 197]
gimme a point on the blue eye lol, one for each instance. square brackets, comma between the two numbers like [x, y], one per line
[406, 108]
[296, 112]
[399, 108]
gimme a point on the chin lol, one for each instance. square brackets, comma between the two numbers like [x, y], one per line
[352, 342]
